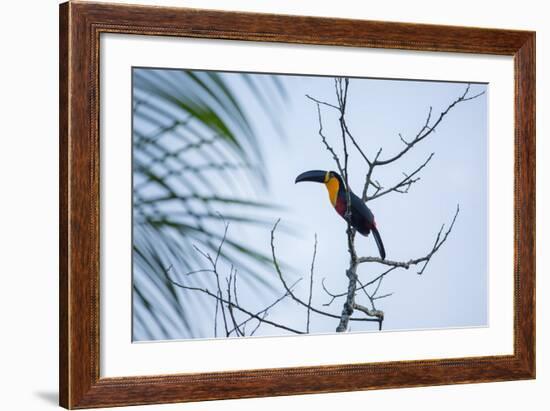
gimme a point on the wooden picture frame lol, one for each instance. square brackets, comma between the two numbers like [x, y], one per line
[80, 27]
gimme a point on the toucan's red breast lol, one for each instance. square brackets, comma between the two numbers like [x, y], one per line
[340, 206]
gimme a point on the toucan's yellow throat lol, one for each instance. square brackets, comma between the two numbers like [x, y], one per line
[333, 185]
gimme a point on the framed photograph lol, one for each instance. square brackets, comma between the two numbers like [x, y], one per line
[258, 205]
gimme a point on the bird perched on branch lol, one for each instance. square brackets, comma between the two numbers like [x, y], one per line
[362, 218]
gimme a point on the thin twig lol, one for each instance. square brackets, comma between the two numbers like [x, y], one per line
[324, 103]
[426, 129]
[265, 310]
[404, 183]
[425, 259]
[290, 292]
[311, 284]
[225, 301]
[368, 178]
[230, 307]
[325, 141]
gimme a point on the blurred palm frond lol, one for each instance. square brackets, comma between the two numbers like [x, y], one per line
[195, 152]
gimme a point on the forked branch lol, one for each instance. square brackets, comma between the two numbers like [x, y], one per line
[401, 187]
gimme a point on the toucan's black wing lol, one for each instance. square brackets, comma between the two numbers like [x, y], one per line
[363, 220]
[361, 216]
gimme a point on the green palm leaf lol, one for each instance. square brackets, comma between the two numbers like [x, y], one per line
[191, 131]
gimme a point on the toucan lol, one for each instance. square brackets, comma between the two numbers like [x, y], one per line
[362, 218]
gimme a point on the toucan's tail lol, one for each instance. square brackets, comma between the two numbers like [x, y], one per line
[379, 243]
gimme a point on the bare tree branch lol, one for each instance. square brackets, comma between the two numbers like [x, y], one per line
[214, 270]
[403, 185]
[428, 129]
[230, 307]
[225, 301]
[311, 283]
[372, 313]
[325, 142]
[216, 318]
[439, 241]
[264, 311]
[347, 310]
[368, 178]
[324, 103]
[291, 293]
[357, 146]
[362, 287]
[229, 303]
[349, 304]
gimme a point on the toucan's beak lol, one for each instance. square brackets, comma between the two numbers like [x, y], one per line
[317, 176]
